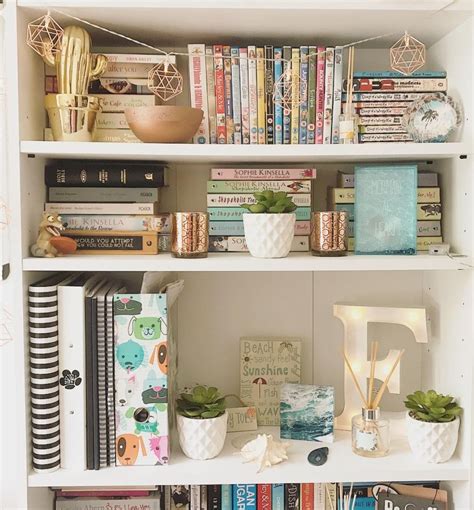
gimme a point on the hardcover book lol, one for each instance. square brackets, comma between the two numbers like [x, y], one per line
[245, 497]
[243, 174]
[239, 244]
[236, 213]
[226, 497]
[278, 496]
[265, 365]
[88, 195]
[159, 223]
[198, 88]
[236, 199]
[385, 209]
[290, 186]
[139, 208]
[114, 243]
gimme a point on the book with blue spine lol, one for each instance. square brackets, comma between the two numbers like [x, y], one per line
[236, 102]
[278, 121]
[226, 497]
[286, 87]
[245, 497]
[278, 496]
[303, 131]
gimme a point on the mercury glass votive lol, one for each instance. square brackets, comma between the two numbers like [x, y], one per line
[189, 234]
[329, 233]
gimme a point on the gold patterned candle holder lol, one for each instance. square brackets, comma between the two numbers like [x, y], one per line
[329, 233]
[190, 234]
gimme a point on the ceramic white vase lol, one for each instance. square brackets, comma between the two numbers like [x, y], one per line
[202, 439]
[269, 235]
[432, 442]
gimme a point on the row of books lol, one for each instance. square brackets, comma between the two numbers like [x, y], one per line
[235, 87]
[280, 496]
[99, 385]
[123, 85]
[380, 100]
[229, 188]
[428, 209]
[109, 207]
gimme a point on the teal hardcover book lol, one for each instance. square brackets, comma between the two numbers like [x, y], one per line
[385, 209]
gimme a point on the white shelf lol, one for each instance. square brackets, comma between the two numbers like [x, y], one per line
[227, 468]
[245, 262]
[194, 153]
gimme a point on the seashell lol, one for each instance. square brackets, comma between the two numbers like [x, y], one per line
[265, 450]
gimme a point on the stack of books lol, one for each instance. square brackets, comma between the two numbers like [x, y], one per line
[123, 85]
[235, 86]
[380, 99]
[428, 208]
[109, 207]
[229, 188]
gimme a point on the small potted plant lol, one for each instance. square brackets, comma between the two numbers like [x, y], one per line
[202, 422]
[269, 224]
[433, 425]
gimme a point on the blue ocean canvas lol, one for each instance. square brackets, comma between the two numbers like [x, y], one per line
[385, 209]
[307, 412]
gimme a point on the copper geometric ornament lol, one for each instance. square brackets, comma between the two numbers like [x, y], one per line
[407, 55]
[44, 33]
[165, 81]
[290, 90]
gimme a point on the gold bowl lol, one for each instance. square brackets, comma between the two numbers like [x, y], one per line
[164, 124]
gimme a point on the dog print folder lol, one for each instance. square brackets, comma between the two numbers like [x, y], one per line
[141, 379]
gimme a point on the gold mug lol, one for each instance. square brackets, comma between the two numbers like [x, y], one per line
[329, 233]
[189, 234]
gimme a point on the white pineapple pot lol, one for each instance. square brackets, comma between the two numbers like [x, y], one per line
[269, 236]
[432, 442]
[202, 439]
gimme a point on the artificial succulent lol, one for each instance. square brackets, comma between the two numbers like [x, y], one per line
[201, 402]
[432, 407]
[269, 202]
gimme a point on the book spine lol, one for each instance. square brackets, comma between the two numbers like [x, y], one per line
[128, 70]
[117, 86]
[239, 244]
[159, 223]
[278, 496]
[236, 228]
[292, 496]
[114, 120]
[295, 95]
[428, 228]
[347, 195]
[319, 496]
[204, 499]
[101, 381]
[236, 91]
[261, 108]
[87, 195]
[320, 94]
[379, 104]
[348, 208]
[406, 84]
[384, 96]
[286, 90]
[424, 243]
[381, 129]
[138, 58]
[307, 496]
[328, 95]
[264, 496]
[381, 112]
[109, 208]
[229, 114]
[278, 108]
[254, 186]
[245, 497]
[180, 497]
[331, 495]
[393, 137]
[220, 94]
[427, 179]
[195, 497]
[106, 503]
[395, 74]
[226, 491]
[237, 199]
[428, 212]
[380, 121]
[253, 102]
[337, 94]
[304, 69]
[114, 242]
[312, 64]
[113, 103]
[211, 94]
[244, 174]
[106, 174]
[270, 128]
[244, 94]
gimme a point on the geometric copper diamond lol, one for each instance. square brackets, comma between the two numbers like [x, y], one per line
[407, 55]
[290, 90]
[44, 35]
[165, 81]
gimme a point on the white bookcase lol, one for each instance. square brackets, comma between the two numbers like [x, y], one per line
[232, 295]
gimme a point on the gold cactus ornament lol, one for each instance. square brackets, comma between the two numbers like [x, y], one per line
[44, 35]
[75, 64]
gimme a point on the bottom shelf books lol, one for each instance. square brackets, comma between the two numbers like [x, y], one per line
[283, 496]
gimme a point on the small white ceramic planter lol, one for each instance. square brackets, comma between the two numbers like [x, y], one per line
[432, 442]
[269, 236]
[202, 439]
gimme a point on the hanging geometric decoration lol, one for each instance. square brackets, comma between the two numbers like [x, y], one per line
[165, 81]
[291, 89]
[407, 55]
[43, 33]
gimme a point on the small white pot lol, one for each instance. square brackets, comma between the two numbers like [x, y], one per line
[269, 235]
[202, 439]
[432, 442]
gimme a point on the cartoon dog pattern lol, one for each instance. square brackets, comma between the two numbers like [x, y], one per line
[141, 368]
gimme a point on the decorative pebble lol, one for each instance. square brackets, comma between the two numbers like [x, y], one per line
[318, 457]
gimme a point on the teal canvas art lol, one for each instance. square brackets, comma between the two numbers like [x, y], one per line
[307, 412]
[385, 209]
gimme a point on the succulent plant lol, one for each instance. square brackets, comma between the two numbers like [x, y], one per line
[270, 202]
[201, 402]
[432, 407]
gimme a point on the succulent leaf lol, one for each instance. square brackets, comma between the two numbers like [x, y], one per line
[432, 407]
[269, 202]
[201, 402]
